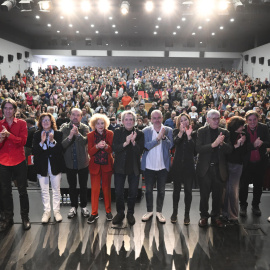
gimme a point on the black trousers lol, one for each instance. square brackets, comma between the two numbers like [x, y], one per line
[72, 181]
[211, 182]
[18, 172]
[187, 181]
[252, 173]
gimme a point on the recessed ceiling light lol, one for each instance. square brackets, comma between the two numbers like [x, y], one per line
[107, 44]
[92, 25]
[116, 32]
[149, 6]
[58, 31]
[155, 33]
[61, 17]
[193, 34]
[86, 17]
[159, 18]
[135, 26]
[37, 17]
[200, 27]
[157, 26]
[97, 32]
[178, 26]
[77, 32]
[174, 33]
[70, 25]
[213, 34]
[221, 27]
[113, 25]
[110, 18]
[200, 42]
[183, 19]
[49, 25]
[232, 20]
[208, 20]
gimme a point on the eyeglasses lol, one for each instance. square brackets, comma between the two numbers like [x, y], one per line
[215, 119]
[46, 120]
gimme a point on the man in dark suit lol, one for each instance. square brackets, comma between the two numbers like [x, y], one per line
[255, 162]
[212, 144]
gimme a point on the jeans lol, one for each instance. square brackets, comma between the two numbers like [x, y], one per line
[151, 177]
[19, 173]
[72, 181]
[211, 182]
[252, 173]
[45, 191]
[231, 201]
[119, 182]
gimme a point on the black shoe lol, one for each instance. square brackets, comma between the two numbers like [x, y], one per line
[256, 210]
[233, 222]
[174, 217]
[243, 210]
[203, 222]
[118, 218]
[187, 220]
[26, 224]
[217, 223]
[6, 224]
[131, 219]
[92, 218]
[109, 216]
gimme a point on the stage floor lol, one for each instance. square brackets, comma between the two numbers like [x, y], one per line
[75, 244]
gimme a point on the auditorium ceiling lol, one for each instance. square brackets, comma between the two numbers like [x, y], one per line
[246, 20]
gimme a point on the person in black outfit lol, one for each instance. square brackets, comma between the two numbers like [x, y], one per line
[183, 170]
[235, 165]
[255, 162]
[128, 145]
[212, 144]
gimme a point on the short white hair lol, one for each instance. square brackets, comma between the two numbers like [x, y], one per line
[123, 115]
[156, 111]
[213, 112]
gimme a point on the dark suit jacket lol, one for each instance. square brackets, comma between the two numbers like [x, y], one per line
[263, 133]
[204, 149]
[92, 150]
[55, 154]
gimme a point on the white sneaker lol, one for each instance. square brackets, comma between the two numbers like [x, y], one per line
[161, 218]
[57, 216]
[46, 217]
[72, 212]
[147, 216]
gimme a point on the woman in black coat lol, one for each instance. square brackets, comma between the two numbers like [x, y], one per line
[183, 170]
[48, 162]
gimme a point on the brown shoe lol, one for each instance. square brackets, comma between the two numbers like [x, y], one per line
[203, 222]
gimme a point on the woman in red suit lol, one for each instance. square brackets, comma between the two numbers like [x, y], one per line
[101, 163]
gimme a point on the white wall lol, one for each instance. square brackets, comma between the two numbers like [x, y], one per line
[257, 70]
[10, 68]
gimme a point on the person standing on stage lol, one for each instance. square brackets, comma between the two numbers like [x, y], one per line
[13, 137]
[212, 145]
[128, 145]
[76, 158]
[255, 162]
[158, 140]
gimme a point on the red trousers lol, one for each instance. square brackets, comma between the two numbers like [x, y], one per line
[95, 190]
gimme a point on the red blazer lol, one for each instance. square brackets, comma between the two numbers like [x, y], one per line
[93, 167]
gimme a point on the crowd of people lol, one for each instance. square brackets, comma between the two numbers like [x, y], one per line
[213, 125]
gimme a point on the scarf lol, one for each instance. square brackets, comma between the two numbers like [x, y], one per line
[101, 156]
[255, 154]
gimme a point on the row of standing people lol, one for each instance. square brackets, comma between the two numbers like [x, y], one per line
[74, 142]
